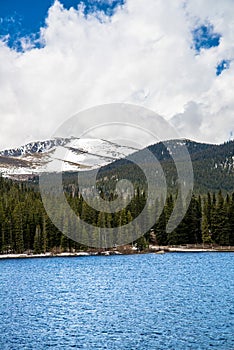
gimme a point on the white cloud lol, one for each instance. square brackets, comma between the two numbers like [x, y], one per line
[141, 55]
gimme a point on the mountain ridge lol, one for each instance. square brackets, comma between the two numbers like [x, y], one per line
[213, 164]
[68, 154]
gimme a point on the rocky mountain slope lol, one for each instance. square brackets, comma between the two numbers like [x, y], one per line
[66, 154]
[213, 165]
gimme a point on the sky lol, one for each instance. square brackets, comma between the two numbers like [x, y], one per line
[58, 58]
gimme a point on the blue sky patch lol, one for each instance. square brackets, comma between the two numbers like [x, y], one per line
[204, 37]
[224, 64]
[23, 18]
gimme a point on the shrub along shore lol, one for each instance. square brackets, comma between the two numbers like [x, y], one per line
[124, 250]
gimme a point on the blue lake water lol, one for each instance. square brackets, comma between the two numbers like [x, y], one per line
[171, 301]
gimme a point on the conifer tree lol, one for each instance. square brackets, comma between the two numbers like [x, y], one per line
[44, 235]
[18, 229]
[231, 220]
[220, 226]
[206, 234]
[160, 229]
[37, 241]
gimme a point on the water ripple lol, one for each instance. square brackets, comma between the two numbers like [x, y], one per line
[140, 302]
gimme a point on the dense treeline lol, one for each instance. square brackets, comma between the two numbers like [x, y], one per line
[25, 226]
[209, 220]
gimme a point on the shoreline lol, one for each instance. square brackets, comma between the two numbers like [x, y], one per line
[151, 250]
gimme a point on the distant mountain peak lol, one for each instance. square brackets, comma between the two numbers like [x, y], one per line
[35, 147]
[213, 164]
[80, 154]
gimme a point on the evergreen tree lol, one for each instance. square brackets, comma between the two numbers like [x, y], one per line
[18, 229]
[192, 222]
[141, 243]
[37, 246]
[206, 234]
[220, 226]
[160, 229]
[44, 236]
[231, 220]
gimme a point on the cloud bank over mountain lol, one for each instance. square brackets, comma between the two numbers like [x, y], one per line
[175, 58]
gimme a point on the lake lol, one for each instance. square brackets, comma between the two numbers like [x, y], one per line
[168, 301]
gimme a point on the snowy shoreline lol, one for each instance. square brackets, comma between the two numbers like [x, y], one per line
[155, 250]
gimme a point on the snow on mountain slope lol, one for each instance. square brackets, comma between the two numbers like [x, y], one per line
[66, 154]
[35, 147]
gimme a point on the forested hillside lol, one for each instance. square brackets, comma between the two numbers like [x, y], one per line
[213, 166]
[25, 226]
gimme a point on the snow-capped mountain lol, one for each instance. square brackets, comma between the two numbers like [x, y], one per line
[66, 154]
[213, 165]
[34, 147]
